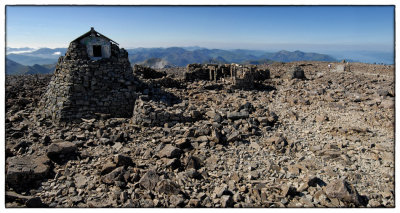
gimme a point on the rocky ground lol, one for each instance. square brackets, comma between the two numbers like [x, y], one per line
[327, 141]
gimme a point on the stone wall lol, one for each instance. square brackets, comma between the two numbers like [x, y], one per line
[196, 72]
[82, 87]
[240, 76]
[294, 72]
[342, 68]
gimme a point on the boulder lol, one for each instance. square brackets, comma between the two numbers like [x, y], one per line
[81, 181]
[116, 175]
[237, 115]
[108, 167]
[288, 191]
[295, 72]
[123, 160]
[170, 151]
[226, 201]
[167, 187]
[22, 171]
[343, 191]
[182, 143]
[57, 150]
[149, 180]
[233, 136]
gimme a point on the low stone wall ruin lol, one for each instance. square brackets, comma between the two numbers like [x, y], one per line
[294, 72]
[240, 76]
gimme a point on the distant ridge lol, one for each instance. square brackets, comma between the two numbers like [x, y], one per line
[178, 56]
[181, 56]
[14, 68]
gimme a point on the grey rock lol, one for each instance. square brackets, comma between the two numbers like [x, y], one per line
[80, 181]
[288, 191]
[114, 176]
[344, 191]
[167, 187]
[26, 169]
[226, 201]
[215, 136]
[176, 200]
[221, 190]
[182, 143]
[233, 136]
[170, 151]
[149, 180]
[123, 160]
[108, 167]
[62, 148]
[192, 173]
[238, 115]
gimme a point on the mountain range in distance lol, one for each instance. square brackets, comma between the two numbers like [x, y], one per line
[14, 68]
[38, 60]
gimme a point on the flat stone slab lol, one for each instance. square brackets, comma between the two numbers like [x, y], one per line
[55, 150]
[23, 170]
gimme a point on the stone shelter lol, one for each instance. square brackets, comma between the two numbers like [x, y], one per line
[94, 76]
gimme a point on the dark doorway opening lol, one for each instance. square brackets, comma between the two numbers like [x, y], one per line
[97, 50]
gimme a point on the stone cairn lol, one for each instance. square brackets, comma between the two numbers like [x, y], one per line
[239, 76]
[82, 87]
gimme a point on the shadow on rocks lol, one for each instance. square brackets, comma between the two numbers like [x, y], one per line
[157, 94]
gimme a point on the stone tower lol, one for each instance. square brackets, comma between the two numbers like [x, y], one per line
[94, 76]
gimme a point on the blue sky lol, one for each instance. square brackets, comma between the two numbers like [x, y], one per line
[307, 28]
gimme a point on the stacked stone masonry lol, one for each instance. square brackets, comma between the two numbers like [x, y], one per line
[295, 72]
[240, 76]
[82, 87]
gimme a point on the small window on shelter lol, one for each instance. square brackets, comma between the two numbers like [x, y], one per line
[97, 50]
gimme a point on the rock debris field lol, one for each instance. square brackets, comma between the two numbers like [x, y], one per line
[326, 140]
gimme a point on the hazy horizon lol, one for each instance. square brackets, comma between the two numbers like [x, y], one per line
[357, 55]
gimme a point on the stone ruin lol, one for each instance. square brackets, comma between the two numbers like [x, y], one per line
[343, 67]
[295, 72]
[94, 77]
[239, 76]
